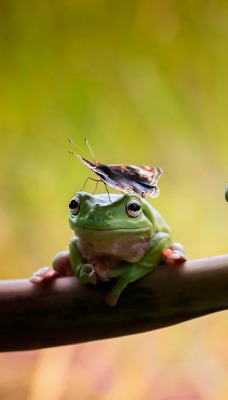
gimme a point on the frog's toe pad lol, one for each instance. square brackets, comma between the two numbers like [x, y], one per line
[173, 256]
[111, 300]
[43, 274]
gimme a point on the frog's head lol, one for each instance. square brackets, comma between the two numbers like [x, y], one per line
[127, 212]
[117, 225]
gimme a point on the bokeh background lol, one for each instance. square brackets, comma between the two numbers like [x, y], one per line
[146, 82]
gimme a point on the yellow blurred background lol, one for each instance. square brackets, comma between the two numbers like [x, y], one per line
[146, 82]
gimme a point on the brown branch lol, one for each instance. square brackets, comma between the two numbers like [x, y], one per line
[66, 312]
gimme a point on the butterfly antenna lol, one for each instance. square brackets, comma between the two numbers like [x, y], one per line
[78, 147]
[91, 152]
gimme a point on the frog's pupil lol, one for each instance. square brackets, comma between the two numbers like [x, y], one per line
[73, 204]
[134, 207]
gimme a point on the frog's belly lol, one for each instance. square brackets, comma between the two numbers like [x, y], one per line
[127, 248]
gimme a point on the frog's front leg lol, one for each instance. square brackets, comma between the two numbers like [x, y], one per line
[132, 272]
[85, 272]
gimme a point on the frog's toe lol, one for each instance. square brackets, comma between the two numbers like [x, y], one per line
[177, 246]
[111, 300]
[173, 256]
[88, 274]
[42, 274]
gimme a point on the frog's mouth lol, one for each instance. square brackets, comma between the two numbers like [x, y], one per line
[145, 229]
[105, 233]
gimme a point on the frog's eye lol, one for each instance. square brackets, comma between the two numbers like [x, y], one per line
[74, 206]
[133, 208]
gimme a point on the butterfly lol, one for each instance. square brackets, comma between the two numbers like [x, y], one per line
[126, 178]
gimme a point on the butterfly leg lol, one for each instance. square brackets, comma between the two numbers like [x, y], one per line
[91, 179]
[97, 181]
[107, 192]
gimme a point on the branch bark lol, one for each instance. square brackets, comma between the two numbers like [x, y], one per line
[66, 312]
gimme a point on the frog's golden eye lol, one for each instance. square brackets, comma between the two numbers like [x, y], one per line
[74, 206]
[133, 208]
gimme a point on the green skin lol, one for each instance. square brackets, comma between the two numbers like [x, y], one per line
[110, 243]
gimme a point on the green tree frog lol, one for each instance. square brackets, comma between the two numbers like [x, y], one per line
[116, 236]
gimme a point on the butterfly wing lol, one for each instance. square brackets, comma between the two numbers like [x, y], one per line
[142, 179]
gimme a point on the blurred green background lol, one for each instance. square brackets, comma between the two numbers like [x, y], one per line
[146, 82]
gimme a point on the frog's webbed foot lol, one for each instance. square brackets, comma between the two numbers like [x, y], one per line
[61, 267]
[87, 274]
[175, 254]
[43, 274]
